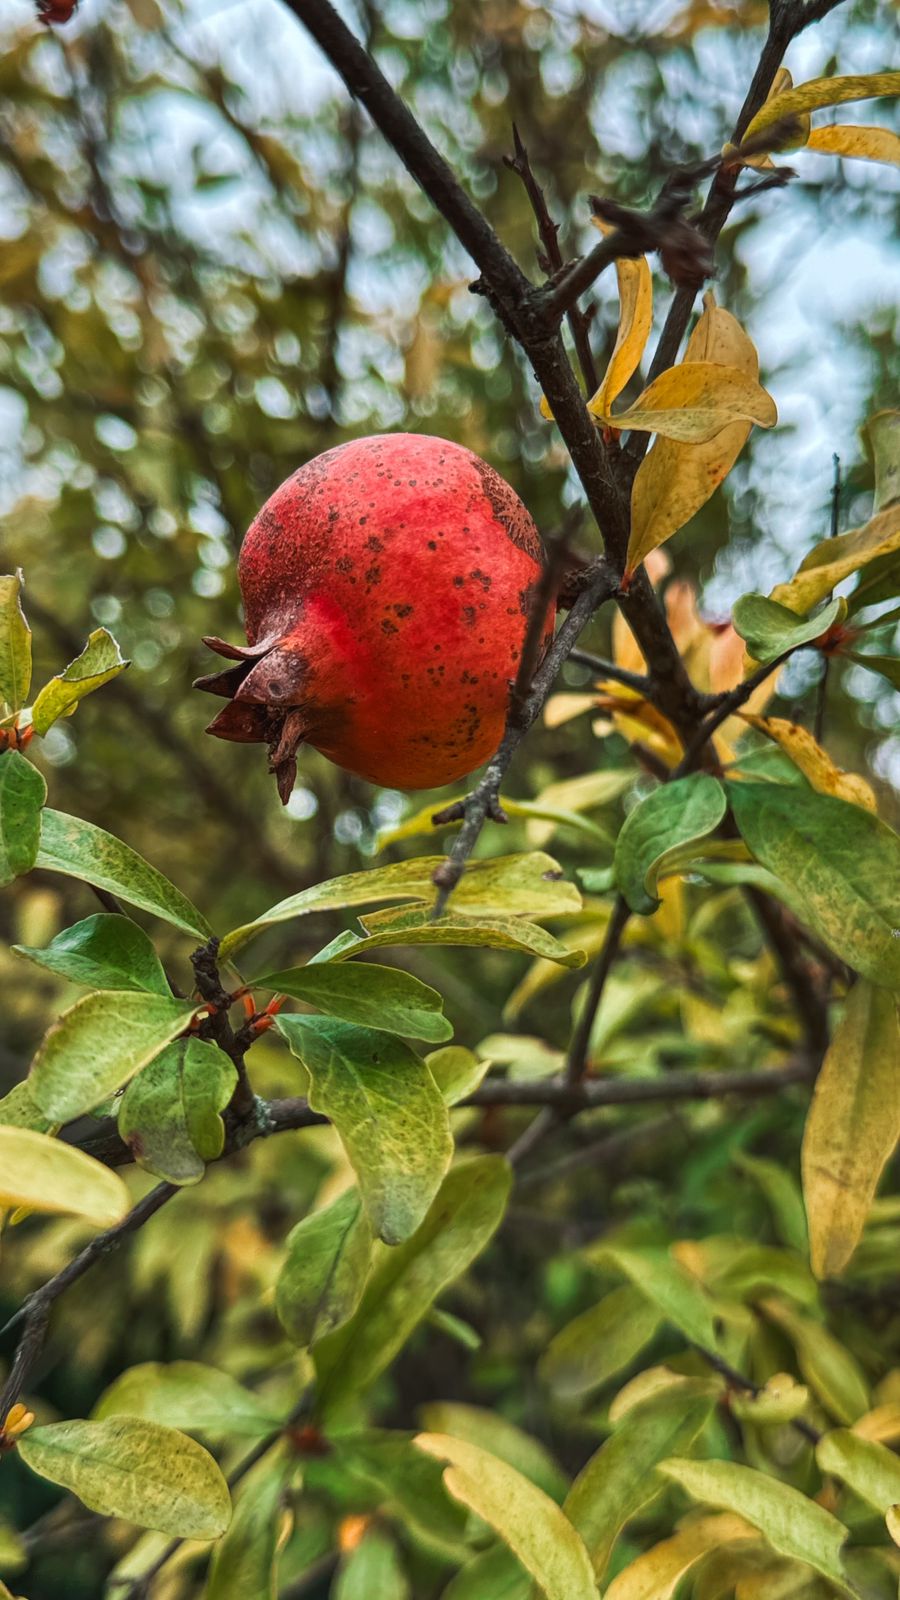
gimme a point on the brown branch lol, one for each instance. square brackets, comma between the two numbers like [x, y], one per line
[594, 1092]
[577, 1060]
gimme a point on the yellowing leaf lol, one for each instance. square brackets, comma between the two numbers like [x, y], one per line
[870, 1470]
[696, 401]
[814, 762]
[527, 1520]
[655, 1575]
[835, 559]
[99, 661]
[15, 643]
[43, 1174]
[675, 480]
[819, 92]
[867, 144]
[99, 1044]
[852, 1127]
[829, 1369]
[881, 1424]
[635, 318]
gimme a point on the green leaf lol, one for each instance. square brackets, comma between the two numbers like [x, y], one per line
[19, 1109]
[495, 1573]
[621, 1478]
[526, 1519]
[46, 1175]
[388, 1112]
[322, 1280]
[376, 997]
[770, 630]
[124, 1467]
[14, 1556]
[98, 1045]
[412, 1488]
[102, 952]
[22, 794]
[79, 850]
[792, 1524]
[783, 1194]
[493, 1432]
[870, 1469]
[15, 643]
[853, 1125]
[493, 933]
[372, 1569]
[405, 1283]
[676, 1295]
[456, 1071]
[188, 1395]
[599, 1343]
[672, 816]
[829, 1369]
[837, 861]
[887, 667]
[245, 1564]
[99, 661]
[521, 885]
[170, 1113]
[883, 432]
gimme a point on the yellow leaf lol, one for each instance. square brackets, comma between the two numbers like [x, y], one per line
[835, 559]
[882, 1424]
[655, 1575]
[40, 1173]
[819, 92]
[635, 318]
[814, 762]
[561, 708]
[852, 1127]
[675, 480]
[867, 144]
[694, 402]
[798, 132]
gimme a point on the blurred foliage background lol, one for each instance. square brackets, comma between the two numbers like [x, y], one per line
[211, 270]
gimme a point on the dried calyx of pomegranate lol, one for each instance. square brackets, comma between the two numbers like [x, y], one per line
[387, 587]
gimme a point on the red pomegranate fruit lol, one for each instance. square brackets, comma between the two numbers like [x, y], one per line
[386, 590]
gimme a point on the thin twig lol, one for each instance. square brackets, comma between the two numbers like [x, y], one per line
[593, 1092]
[608, 669]
[577, 1061]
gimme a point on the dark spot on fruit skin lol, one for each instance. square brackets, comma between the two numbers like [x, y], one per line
[458, 583]
[344, 564]
[388, 626]
[373, 575]
[403, 611]
[373, 542]
[432, 544]
[469, 614]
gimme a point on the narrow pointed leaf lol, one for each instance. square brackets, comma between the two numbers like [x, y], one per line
[391, 1117]
[455, 928]
[100, 660]
[322, 1280]
[375, 997]
[820, 92]
[853, 1125]
[635, 318]
[526, 1519]
[22, 795]
[43, 1174]
[139, 1471]
[656, 1574]
[80, 850]
[15, 643]
[98, 1045]
[102, 952]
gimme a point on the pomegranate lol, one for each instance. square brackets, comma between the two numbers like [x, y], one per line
[386, 590]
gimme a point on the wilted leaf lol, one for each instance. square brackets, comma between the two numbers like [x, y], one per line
[15, 643]
[526, 1519]
[388, 1111]
[770, 629]
[189, 1395]
[656, 1574]
[139, 1471]
[322, 1280]
[170, 1116]
[22, 794]
[829, 1369]
[819, 92]
[868, 144]
[853, 1125]
[674, 480]
[495, 1433]
[815, 763]
[98, 1045]
[694, 402]
[599, 1343]
[100, 660]
[635, 318]
[621, 1478]
[792, 1524]
[79, 850]
[671, 816]
[43, 1174]
[376, 997]
[510, 886]
[102, 952]
[838, 863]
[400, 1290]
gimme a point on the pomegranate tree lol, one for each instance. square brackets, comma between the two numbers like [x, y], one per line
[386, 589]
